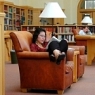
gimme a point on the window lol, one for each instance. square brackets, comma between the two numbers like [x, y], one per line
[88, 4]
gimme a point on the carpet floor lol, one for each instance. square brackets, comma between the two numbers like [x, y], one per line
[84, 86]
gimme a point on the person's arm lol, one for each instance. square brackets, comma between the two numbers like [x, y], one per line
[90, 32]
[81, 32]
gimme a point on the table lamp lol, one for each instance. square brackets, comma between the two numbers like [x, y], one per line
[52, 10]
[86, 20]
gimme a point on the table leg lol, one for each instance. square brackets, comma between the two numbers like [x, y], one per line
[90, 51]
[75, 69]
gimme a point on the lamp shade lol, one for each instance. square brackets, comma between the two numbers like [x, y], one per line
[52, 10]
[87, 20]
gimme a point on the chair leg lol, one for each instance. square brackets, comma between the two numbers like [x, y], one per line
[69, 86]
[60, 92]
[24, 90]
[80, 76]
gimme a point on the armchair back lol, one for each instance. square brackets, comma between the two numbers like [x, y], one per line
[21, 41]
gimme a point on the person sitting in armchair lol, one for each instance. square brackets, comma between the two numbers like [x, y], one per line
[57, 50]
[85, 31]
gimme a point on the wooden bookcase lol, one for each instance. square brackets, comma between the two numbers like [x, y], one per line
[31, 28]
[61, 31]
[7, 8]
[16, 15]
[27, 15]
[17, 19]
[65, 32]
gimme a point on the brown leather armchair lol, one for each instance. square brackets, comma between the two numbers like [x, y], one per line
[81, 44]
[36, 70]
[81, 60]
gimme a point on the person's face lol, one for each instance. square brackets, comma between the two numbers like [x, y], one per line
[86, 29]
[41, 37]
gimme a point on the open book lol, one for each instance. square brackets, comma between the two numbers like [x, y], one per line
[52, 39]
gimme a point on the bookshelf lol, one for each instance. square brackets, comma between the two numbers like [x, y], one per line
[16, 15]
[27, 15]
[61, 31]
[31, 28]
[7, 8]
[65, 32]
[17, 19]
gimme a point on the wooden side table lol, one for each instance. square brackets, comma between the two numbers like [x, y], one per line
[90, 49]
[75, 66]
[8, 47]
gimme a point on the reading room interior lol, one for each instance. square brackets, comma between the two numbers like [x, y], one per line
[28, 68]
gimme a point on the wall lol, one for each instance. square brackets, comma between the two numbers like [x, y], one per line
[16, 2]
[70, 7]
[36, 4]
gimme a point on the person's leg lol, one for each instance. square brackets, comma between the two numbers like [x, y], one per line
[54, 48]
[63, 46]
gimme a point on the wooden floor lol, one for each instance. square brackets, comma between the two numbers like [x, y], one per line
[84, 86]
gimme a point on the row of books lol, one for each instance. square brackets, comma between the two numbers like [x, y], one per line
[6, 27]
[50, 29]
[70, 38]
[65, 29]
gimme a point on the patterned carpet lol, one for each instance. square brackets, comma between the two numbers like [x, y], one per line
[84, 86]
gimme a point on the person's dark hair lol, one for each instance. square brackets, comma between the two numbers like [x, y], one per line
[36, 33]
[85, 27]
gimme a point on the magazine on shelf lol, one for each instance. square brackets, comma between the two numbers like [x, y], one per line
[52, 39]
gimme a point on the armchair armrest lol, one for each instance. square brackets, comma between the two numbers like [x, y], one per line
[28, 54]
[79, 48]
[70, 54]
